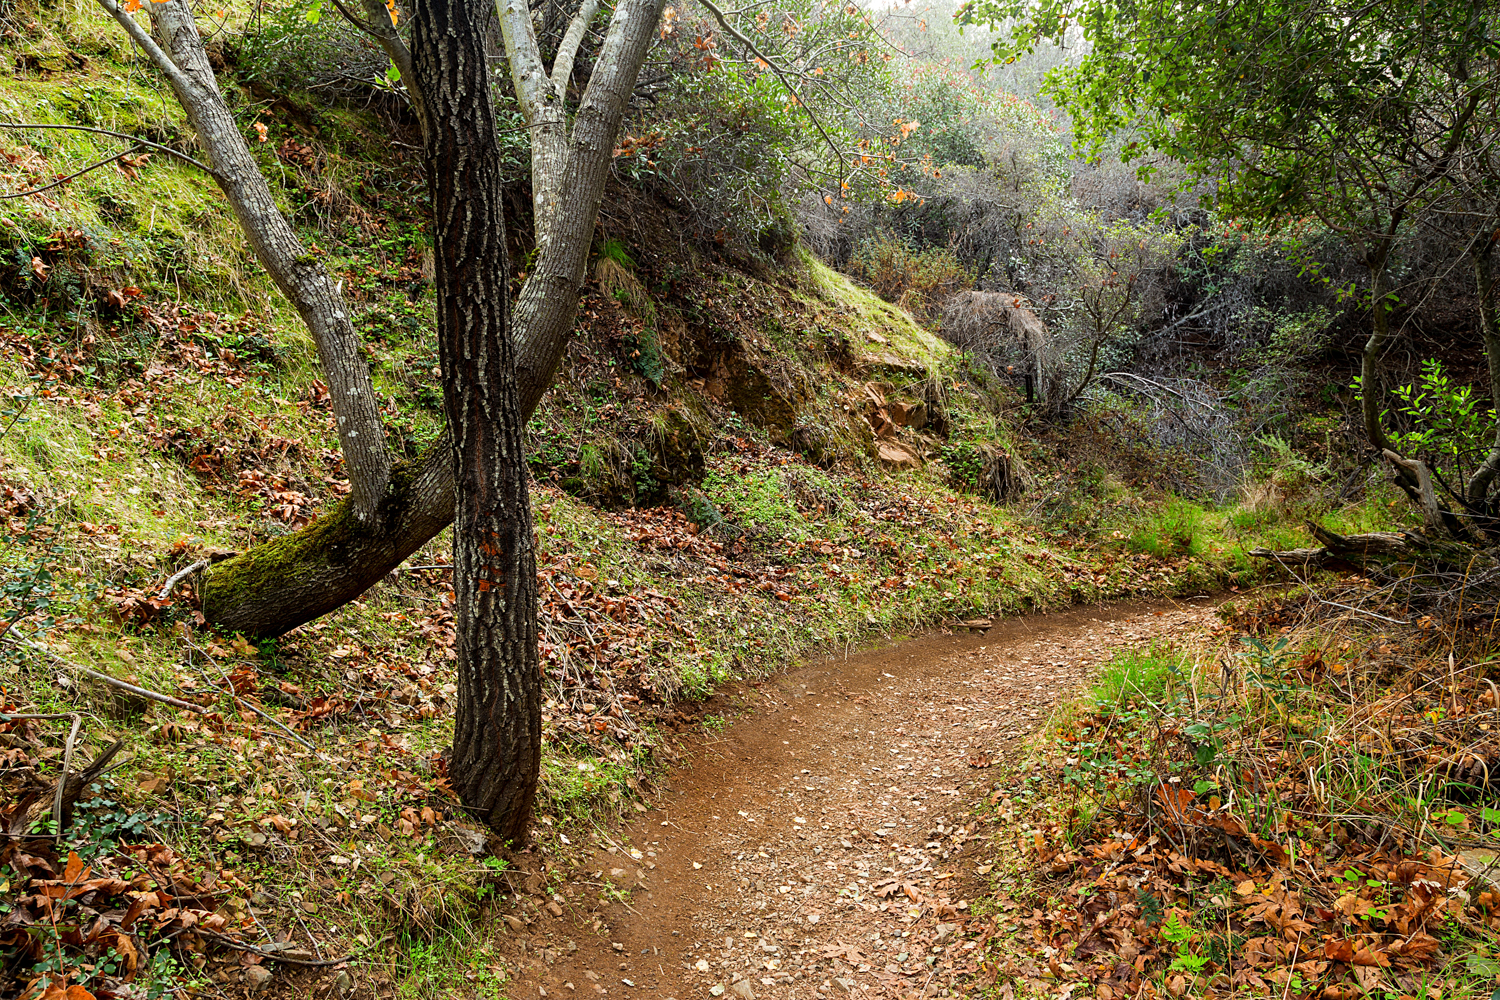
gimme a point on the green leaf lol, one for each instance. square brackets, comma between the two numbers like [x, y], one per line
[314, 11]
[392, 74]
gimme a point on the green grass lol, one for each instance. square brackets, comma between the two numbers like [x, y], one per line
[1176, 527]
[1137, 676]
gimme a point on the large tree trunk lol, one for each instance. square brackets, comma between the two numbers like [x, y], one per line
[299, 275]
[286, 582]
[497, 732]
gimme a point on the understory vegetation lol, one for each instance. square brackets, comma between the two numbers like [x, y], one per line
[1301, 804]
[773, 433]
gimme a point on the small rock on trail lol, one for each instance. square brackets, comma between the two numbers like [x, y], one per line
[823, 846]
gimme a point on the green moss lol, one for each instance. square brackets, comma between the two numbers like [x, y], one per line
[869, 313]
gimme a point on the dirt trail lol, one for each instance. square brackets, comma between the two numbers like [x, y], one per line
[777, 862]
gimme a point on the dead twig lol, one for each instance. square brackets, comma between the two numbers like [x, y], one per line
[178, 577]
[134, 689]
[62, 779]
[310, 963]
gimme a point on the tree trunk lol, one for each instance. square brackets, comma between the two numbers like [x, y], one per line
[297, 578]
[1369, 362]
[1478, 489]
[299, 275]
[498, 729]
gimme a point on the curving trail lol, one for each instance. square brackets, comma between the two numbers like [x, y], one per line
[789, 854]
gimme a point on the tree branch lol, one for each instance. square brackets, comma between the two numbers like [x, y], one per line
[180, 80]
[136, 690]
[1432, 514]
[73, 176]
[383, 30]
[567, 52]
[168, 150]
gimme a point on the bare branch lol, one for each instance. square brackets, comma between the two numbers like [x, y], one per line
[158, 147]
[139, 692]
[180, 80]
[73, 176]
[179, 576]
[567, 52]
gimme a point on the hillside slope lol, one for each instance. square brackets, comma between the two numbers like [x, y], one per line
[744, 459]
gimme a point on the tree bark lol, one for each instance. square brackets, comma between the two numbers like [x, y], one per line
[1369, 362]
[288, 581]
[1478, 489]
[299, 275]
[497, 731]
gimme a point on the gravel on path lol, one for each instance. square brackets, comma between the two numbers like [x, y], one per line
[823, 844]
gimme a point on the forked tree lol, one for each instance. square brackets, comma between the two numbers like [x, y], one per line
[498, 357]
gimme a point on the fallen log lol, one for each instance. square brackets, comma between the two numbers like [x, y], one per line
[1349, 551]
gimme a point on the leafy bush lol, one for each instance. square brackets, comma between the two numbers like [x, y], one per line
[916, 280]
[296, 48]
[965, 465]
[1448, 426]
[725, 142]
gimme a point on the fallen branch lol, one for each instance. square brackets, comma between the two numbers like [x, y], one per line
[70, 787]
[1432, 514]
[62, 779]
[134, 689]
[1348, 550]
[311, 963]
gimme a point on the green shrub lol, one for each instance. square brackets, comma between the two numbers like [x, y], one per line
[916, 280]
[965, 465]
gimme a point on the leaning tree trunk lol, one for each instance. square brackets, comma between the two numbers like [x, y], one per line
[299, 275]
[288, 581]
[497, 731]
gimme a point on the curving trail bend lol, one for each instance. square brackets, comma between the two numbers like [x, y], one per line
[790, 853]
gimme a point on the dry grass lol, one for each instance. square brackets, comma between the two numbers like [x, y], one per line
[998, 327]
[1299, 804]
